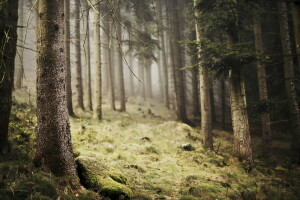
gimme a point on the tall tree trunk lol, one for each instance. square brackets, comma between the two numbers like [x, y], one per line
[130, 63]
[97, 42]
[289, 80]
[141, 73]
[120, 63]
[108, 55]
[206, 118]
[8, 42]
[296, 23]
[79, 84]
[148, 77]
[163, 56]
[54, 148]
[195, 93]
[20, 54]
[177, 63]
[263, 93]
[68, 61]
[88, 55]
[223, 104]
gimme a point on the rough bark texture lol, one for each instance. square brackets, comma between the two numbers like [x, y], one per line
[242, 141]
[120, 63]
[54, 148]
[177, 63]
[79, 84]
[289, 80]
[88, 55]
[205, 98]
[68, 61]
[20, 54]
[97, 48]
[263, 93]
[164, 65]
[296, 23]
[8, 41]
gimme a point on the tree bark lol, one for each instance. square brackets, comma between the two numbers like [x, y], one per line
[177, 63]
[141, 73]
[79, 84]
[148, 81]
[296, 23]
[289, 80]
[223, 104]
[88, 55]
[8, 41]
[54, 148]
[130, 63]
[206, 118]
[68, 61]
[97, 88]
[263, 93]
[20, 50]
[164, 64]
[120, 63]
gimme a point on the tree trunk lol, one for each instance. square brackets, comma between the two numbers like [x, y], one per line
[20, 50]
[130, 63]
[88, 55]
[296, 23]
[8, 29]
[164, 63]
[148, 81]
[141, 73]
[263, 93]
[79, 84]
[120, 62]
[206, 118]
[97, 88]
[242, 141]
[289, 80]
[68, 61]
[195, 93]
[54, 148]
[177, 63]
[223, 105]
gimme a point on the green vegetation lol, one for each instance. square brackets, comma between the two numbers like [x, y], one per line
[145, 157]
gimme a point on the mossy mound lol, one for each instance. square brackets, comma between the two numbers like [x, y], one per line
[109, 182]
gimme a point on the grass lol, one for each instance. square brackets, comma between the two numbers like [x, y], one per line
[146, 148]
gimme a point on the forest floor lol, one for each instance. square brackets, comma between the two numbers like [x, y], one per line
[145, 144]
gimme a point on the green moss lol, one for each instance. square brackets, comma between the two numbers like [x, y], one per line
[107, 181]
[188, 197]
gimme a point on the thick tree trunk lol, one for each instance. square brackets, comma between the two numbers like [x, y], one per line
[289, 80]
[242, 141]
[296, 23]
[263, 93]
[68, 61]
[177, 63]
[206, 118]
[148, 81]
[164, 64]
[141, 69]
[88, 56]
[79, 84]
[20, 54]
[97, 88]
[120, 63]
[54, 148]
[8, 41]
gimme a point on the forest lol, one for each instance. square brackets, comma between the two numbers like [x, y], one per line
[149, 100]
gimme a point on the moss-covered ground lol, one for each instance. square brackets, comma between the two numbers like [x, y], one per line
[145, 145]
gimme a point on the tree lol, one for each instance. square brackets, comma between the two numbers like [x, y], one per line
[262, 86]
[54, 148]
[177, 62]
[20, 55]
[97, 47]
[88, 54]
[68, 61]
[289, 80]
[206, 118]
[79, 84]
[296, 22]
[120, 59]
[8, 42]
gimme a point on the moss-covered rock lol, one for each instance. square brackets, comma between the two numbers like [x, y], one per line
[107, 181]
